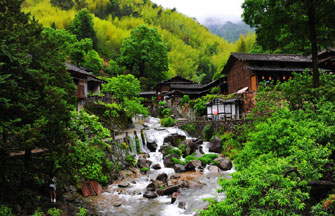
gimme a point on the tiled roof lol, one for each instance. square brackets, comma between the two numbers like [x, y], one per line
[271, 57]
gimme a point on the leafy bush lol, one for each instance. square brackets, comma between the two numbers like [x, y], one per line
[207, 132]
[166, 112]
[5, 210]
[189, 128]
[182, 147]
[138, 145]
[55, 212]
[131, 159]
[175, 151]
[167, 122]
[207, 158]
[200, 107]
[82, 212]
[184, 100]
[145, 169]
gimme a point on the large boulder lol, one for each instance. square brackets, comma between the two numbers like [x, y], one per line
[151, 187]
[175, 139]
[164, 149]
[215, 145]
[224, 163]
[213, 169]
[192, 165]
[152, 146]
[178, 168]
[150, 194]
[142, 162]
[170, 190]
[194, 145]
[163, 177]
[168, 162]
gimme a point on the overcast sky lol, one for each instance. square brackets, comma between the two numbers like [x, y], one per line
[223, 10]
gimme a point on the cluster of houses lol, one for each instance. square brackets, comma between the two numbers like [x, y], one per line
[242, 75]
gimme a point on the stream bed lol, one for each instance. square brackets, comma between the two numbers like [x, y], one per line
[129, 200]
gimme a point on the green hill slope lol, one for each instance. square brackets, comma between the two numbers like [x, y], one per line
[193, 51]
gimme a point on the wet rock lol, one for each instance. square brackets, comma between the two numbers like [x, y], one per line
[151, 187]
[225, 163]
[164, 149]
[150, 194]
[168, 162]
[152, 146]
[175, 176]
[201, 150]
[192, 165]
[142, 162]
[182, 205]
[160, 192]
[162, 177]
[156, 166]
[159, 184]
[124, 185]
[215, 145]
[213, 169]
[117, 205]
[174, 197]
[178, 168]
[194, 145]
[171, 189]
[175, 139]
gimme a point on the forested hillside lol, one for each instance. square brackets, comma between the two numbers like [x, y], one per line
[230, 31]
[193, 52]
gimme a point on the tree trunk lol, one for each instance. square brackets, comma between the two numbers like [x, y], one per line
[312, 35]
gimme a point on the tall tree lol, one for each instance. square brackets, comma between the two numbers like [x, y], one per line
[36, 91]
[293, 26]
[145, 55]
[83, 27]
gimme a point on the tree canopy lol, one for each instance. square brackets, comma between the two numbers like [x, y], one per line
[293, 26]
[145, 55]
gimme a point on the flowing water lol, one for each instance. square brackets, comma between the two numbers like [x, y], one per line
[130, 201]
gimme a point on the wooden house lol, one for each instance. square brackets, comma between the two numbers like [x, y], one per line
[224, 109]
[245, 70]
[326, 59]
[86, 83]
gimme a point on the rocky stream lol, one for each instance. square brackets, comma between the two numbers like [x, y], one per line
[167, 189]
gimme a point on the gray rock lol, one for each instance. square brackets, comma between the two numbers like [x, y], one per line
[182, 205]
[194, 145]
[215, 145]
[225, 163]
[156, 166]
[168, 162]
[150, 194]
[175, 139]
[152, 146]
[171, 189]
[164, 149]
[117, 205]
[124, 185]
[192, 165]
[213, 169]
[142, 162]
[174, 197]
[151, 187]
[162, 177]
[178, 168]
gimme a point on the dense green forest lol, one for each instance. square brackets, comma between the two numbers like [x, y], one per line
[230, 31]
[193, 52]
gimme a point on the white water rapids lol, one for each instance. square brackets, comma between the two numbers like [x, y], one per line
[130, 201]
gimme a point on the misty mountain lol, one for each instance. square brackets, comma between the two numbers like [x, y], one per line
[229, 31]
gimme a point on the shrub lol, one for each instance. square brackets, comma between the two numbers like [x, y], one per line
[182, 147]
[5, 210]
[207, 132]
[138, 145]
[175, 151]
[167, 122]
[131, 159]
[184, 100]
[166, 112]
[82, 212]
[178, 161]
[189, 128]
[145, 169]
[207, 158]
[55, 212]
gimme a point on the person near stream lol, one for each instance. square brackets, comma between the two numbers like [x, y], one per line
[52, 187]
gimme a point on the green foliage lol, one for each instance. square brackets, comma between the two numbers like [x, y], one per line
[182, 147]
[5, 210]
[145, 169]
[145, 55]
[207, 132]
[64, 4]
[292, 133]
[207, 158]
[175, 151]
[93, 61]
[200, 107]
[131, 160]
[86, 157]
[166, 112]
[167, 122]
[189, 128]
[83, 27]
[184, 100]
[55, 212]
[126, 88]
[82, 211]
[138, 146]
